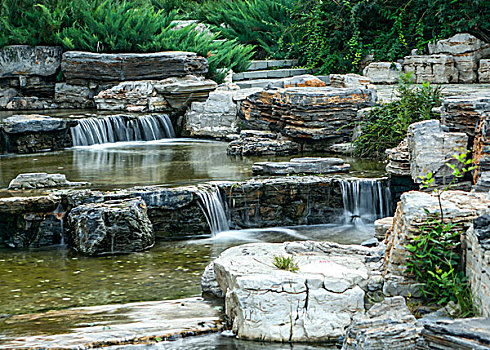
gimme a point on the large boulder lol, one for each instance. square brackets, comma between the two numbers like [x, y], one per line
[24, 60]
[131, 66]
[431, 149]
[316, 303]
[438, 69]
[19, 124]
[350, 80]
[112, 227]
[383, 72]
[255, 143]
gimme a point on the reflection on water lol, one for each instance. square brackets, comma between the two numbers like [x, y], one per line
[167, 161]
[35, 280]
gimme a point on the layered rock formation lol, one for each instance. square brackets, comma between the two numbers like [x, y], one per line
[458, 334]
[348, 80]
[301, 166]
[315, 304]
[256, 143]
[484, 71]
[481, 153]
[320, 116]
[383, 72]
[112, 227]
[462, 113]
[399, 160]
[41, 180]
[431, 149]
[437, 69]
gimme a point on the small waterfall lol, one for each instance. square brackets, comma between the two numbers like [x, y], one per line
[365, 200]
[91, 131]
[213, 207]
[59, 213]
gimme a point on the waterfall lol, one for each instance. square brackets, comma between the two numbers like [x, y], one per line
[213, 207]
[365, 200]
[90, 131]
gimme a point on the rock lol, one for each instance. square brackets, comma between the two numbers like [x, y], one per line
[481, 153]
[346, 148]
[41, 180]
[373, 242]
[459, 208]
[301, 166]
[399, 159]
[323, 115]
[209, 285]
[484, 71]
[18, 124]
[75, 96]
[382, 226]
[112, 227]
[29, 103]
[7, 94]
[260, 143]
[477, 247]
[483, 183]
[23, 205]
[350, 80]
[24, 60]
[305, 80]
[431, 149]
[171, 94]
[462, 113]
[201, 28]
[315, 304]
[131, 66]
[437, 69]
[458, 334]
[383, 72]
[387, 325]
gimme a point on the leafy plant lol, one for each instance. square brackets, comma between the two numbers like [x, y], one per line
[285, 263]
[436, 254]
[386, 126]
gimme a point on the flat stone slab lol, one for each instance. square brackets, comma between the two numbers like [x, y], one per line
[131, 66]
[41, 180]
[21, 205]
[98, 326]
[25, 60]
[33, 123]
[301, 166]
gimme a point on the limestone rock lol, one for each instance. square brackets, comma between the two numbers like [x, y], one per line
[383, 72]
[399, 159]
[201, 28]
[438, 69]
[111, 227]
[484, 71]
[481, 153]
[382, 226]
[477, 246]
[29, 103]
[315, 304]
[305, 80]
[209, 285]
[32, 123]
[75, 96]
[25, 60]
[41, 180]
[387, 325]
[309, 115]
[462, 113]
[301, 166]
[458, 334]
[350, 80]
[22, 205]
[171, 94]
[346, 148]
[431, 148]
[131, 66]
[7, 94]
[261, 143]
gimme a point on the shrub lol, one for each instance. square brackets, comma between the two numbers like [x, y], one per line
[285, 263]
[386, 126]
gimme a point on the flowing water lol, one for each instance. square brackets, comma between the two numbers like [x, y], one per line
[214, 208]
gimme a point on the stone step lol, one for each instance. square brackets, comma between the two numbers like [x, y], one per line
[262, 83]
[267, 74]
[268, 64]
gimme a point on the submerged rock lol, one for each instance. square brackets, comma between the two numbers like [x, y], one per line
[302, 166]
[41, 180]
[112, 227]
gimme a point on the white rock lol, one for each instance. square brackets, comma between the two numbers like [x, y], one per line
[383, 72]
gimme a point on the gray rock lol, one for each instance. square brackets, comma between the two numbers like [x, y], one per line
[261, 143]
[382, 226]
[457, 44]
[301, 166]
[209, 285]
[29, 103]
[75, 96]
[431, 149]
[373, 242]
[24, 60]
[201, 28]
[346, 148]
[7, 94]
[350, 80]
[41, 180]
[305, 80]
[387, 325]
[399, 159]
[383, 72]
[131, 66]
[438, 69]
[484, 71]
[32, 123]
[111, 227]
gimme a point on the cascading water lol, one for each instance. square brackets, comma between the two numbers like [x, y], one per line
[213, 207]
[365, 200]
[91, 131]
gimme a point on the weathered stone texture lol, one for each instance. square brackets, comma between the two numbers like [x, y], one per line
[399, 160]
[131, 66]
[301, 166]
[41, 180]
[350, 80]
[111, 227]
[305, 80]
[481, 153]
[431, 149]
[255, 143]
[383, 72]
[315, 304]
[462, 113]
[382, 226]
[459, 207]
[484, 71]
[477, 242]
[307, 115]
[24, 60]
[169, 95]
[438, 69]
[74, 96]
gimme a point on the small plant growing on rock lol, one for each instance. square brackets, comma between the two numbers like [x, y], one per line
[436, 254]
[285, 263]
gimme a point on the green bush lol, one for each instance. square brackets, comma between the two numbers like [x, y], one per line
[285, 263]
[386, 126]
[116, 26]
